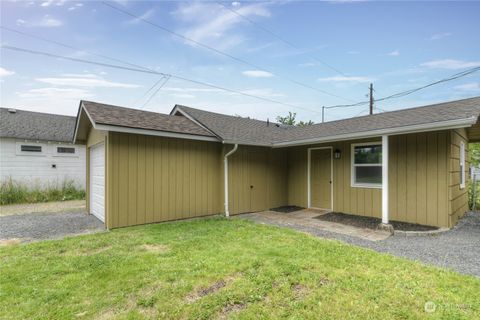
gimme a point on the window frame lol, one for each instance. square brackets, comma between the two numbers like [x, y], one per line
[353, 183]
[19, 151]
[60, 154]
[462, 165]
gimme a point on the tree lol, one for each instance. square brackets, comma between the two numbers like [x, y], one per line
[290, 120]
[474, 150]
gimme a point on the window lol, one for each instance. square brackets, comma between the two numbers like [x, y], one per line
[30, 148]
[367, 165]
[462, 165]
[68, 150]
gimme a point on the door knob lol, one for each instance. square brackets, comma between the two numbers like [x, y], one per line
[251, 187]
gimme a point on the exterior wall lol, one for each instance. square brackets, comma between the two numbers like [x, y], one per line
[418, 180]
[37, 168]
[154, 179]
[263, 168]
[347, 199]
[458, 198]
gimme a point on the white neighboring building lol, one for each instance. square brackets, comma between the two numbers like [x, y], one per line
[37, 148]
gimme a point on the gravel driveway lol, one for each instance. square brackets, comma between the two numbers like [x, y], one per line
[458, 248]
[40, 226]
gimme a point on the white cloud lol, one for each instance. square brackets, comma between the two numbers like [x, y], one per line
[5, 73]
[308, 64]
[147, 14]
[472, 86]
[346, 79]
[236, 4]
[49, 22]
[257, 74]
[394, 53]
[87, 80]
[186, 89]
[53, 2]
[55, 93]
[21, 22]
[450, 64]
[210, 22]
[353, 52]
[439, 36]
[265, 93]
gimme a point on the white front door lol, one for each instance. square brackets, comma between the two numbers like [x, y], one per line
[97, 181]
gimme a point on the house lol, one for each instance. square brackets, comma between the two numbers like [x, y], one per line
[408, 165]
[36, 148]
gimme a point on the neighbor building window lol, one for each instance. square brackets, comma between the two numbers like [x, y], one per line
[68, 150]
[462, 165]
[30, 148]
[367, 165]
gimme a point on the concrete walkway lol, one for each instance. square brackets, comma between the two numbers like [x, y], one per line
[457, 249]
[51, 207]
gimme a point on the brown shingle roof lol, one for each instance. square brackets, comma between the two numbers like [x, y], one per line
[241, 130]
[133, 118]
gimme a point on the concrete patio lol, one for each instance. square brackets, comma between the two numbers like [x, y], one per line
[306, 218]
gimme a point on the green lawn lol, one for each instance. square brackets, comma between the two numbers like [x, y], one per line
[222, 268]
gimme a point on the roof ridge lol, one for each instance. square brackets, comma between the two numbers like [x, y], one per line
[126, 108]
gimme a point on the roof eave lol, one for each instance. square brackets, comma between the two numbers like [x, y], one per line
[434, 126]
[167, 134]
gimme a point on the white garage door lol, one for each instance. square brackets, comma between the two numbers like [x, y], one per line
[97, 181]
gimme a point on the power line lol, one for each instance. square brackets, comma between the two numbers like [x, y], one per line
[243, 61]
[156, 91]
[288, 43]
[408, 92]
[150, 71]
[148, 91]
[70, 47]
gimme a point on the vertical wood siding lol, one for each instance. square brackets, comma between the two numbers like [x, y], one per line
[359, 201]
[418, 173]
[263, 168]
[418, 180]
[154, 179]
[458, 198]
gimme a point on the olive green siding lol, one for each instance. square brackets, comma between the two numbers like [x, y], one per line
[420, 169]
[418, 178]
[458, 197]
[359, 201]
[257, 179]
[153, 179]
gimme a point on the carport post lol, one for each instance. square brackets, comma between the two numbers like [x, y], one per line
[385, 180]
[225, 176]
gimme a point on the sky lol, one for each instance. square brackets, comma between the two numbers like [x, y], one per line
[304, 55]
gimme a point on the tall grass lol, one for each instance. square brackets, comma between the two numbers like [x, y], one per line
[12, 192]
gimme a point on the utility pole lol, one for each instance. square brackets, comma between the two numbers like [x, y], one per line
[371, 98]
[323, 114]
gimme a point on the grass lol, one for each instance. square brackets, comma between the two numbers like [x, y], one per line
[219, 268]
[13, 192]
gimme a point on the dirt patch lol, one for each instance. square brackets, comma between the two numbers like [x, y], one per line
[9, 242]
[299, 291]
[156, 248]
[200, 293]
[231, 308]
[323, 282]
[287, 209]
[51, 207]
[370, 222]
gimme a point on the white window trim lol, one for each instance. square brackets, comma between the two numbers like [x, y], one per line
[462, 165]
[353, 184]
[57, 154]
[19, 151]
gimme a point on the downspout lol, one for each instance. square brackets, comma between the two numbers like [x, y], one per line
[225, 175]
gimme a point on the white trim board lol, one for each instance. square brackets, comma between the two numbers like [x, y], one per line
[309, 178]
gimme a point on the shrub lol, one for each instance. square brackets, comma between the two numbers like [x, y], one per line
[18, 192]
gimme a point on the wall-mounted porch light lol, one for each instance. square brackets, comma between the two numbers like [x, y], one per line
[337, 154]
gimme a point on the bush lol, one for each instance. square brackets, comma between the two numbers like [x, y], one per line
[17, 192]
[471, 196]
